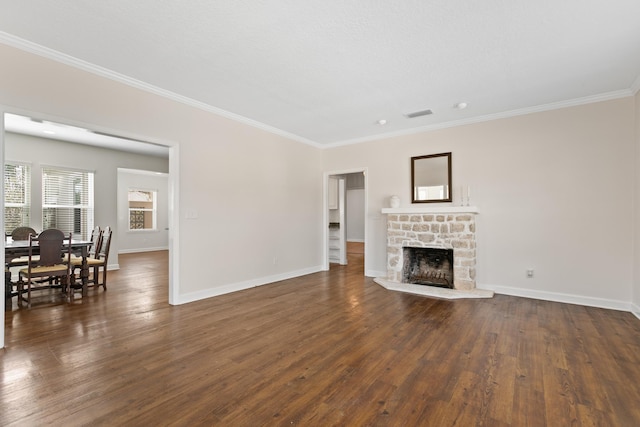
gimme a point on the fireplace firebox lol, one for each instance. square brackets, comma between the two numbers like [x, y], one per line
[428, 266]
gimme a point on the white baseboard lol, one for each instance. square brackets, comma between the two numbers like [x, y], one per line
[374, 273]
[559, 297]
[635, 309]
[135, 251]
[234, 287]
[355, 240]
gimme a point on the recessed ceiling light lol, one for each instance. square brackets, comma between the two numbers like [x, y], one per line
[460, 105]
[381, 122]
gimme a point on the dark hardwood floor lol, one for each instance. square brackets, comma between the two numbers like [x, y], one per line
[331, 348]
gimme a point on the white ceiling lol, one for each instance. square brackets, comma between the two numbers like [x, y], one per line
[324, 72]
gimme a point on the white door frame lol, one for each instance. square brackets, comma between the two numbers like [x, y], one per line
[174, 199]
[325, 213]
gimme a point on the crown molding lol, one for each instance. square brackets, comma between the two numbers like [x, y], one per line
[489, 117]
[63, 58]
[60, 57]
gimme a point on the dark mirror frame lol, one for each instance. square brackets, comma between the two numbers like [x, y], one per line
[445, 180]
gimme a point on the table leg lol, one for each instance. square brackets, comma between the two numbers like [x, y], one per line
[84, 271]
[8, 291]
[84, 275]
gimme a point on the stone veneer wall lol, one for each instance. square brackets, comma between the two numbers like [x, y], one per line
[449, 231]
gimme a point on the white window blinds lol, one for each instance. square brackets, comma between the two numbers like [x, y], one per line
[17, 196]
[67, 201]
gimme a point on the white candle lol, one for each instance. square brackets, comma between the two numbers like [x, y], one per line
[468, 193]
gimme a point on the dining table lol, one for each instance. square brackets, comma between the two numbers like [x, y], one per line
[17, 248]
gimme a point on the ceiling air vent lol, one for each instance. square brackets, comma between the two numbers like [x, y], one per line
[419, 113]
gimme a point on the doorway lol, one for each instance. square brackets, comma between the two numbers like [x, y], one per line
[171, 151]
[345, 217]
[354, 194]
[142, 206]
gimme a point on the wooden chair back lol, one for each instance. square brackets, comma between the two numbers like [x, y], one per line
[49, 244]
[23, 233]
[96, 239]
[105, 244]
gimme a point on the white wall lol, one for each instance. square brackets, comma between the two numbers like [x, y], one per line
[554, 190]
[355, 215]
[103, 162]
[143, 240]
[257, 196]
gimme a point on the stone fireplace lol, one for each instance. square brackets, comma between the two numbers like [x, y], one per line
[451, 228]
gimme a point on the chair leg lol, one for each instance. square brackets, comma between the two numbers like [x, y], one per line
[29, 294]
[19, 287]
[67, 285]
[8, 291]
[104, 277]
[21, 292]
[95, 279]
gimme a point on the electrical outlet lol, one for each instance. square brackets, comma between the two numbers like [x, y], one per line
[530, 273]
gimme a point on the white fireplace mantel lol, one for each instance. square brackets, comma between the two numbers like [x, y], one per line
[432, 210]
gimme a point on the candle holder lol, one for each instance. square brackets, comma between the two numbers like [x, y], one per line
[465, 196]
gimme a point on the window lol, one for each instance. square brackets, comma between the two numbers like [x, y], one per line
[142, 209]
[436, 192]
[17, 196]
[67, 201]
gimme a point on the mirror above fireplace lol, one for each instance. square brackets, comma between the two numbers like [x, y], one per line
[431, 178]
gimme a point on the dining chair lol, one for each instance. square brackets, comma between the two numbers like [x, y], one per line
[92, 250]
[18, 233]
[100, 260]
[50, 264]
[22, 233]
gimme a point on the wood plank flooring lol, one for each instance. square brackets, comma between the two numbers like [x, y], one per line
[331, 348]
